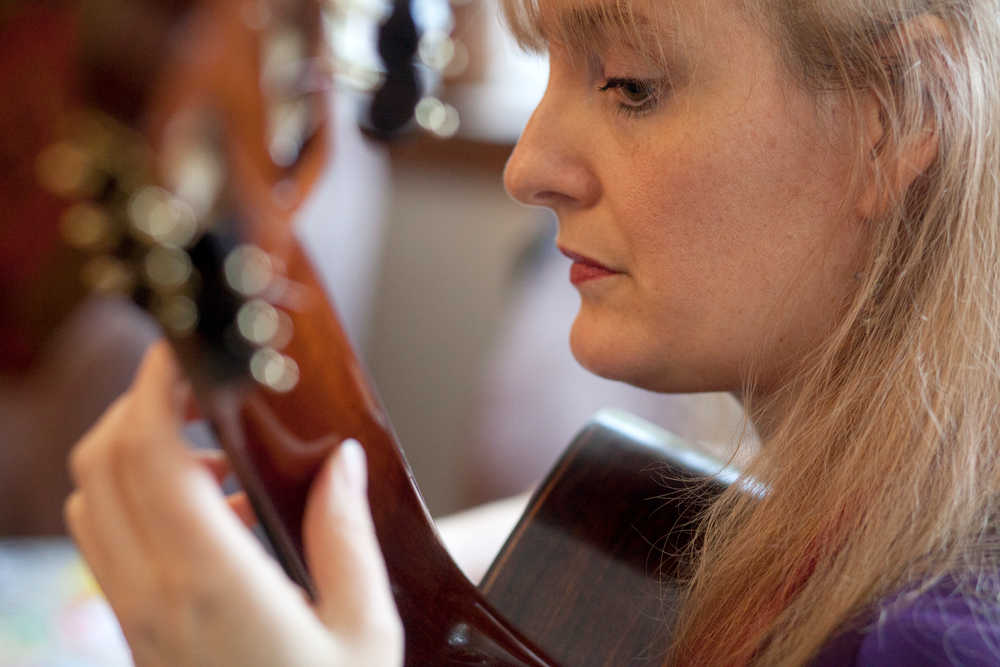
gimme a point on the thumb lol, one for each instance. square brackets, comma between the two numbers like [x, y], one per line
[343, 555]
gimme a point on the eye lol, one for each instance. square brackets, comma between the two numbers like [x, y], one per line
[634, 95]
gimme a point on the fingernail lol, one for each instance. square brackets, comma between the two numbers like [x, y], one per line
[352, 465]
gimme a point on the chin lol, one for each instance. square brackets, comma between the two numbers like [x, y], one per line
[615, 356]
[615, 353]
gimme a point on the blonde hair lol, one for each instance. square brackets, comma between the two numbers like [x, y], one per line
[883, 470]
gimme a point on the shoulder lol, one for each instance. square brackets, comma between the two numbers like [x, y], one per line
[939, 626]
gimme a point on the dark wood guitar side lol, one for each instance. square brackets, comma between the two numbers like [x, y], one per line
[591, 572]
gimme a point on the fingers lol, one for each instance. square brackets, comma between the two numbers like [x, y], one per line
[140, 486]
[96, 515]
[192, 411]
[215, 462]
[344, 556]
[181, 571]
[239, 503]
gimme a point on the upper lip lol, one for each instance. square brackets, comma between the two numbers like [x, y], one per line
[583, 259]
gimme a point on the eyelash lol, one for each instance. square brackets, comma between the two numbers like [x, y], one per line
[647, 87]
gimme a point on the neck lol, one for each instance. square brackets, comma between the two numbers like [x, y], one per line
[766, 410]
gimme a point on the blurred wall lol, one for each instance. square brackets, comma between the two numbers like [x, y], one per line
[451, 239]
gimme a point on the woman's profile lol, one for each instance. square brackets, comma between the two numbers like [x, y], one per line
[794, 201]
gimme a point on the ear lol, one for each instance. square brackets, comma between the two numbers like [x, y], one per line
[892, 168]
[898, 152]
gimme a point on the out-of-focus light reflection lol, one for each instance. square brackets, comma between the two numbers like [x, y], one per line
[248, 270]
[434, 115]
[274, 370]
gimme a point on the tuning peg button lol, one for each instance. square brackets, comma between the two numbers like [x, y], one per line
[66, 170]
[178, 314]
[248, 270]
[274, 370]
[160, 217]
[86, 226]
[108, 275]
[166, 268]
[258, 322]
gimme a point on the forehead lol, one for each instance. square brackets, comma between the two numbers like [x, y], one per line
[655, 27]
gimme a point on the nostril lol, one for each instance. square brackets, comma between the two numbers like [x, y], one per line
[550, 198]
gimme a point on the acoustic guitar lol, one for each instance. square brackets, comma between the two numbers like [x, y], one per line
[170, 142]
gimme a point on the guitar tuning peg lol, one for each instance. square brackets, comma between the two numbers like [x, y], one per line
[258, 322]
[177, 313]
[274, 370]
[161, 218]
[66, 170]
[108, 275]
[166, 269]
[248, 270]
[436, 116]
[87, 226]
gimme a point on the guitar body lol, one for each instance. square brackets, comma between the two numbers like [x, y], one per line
[591, 572]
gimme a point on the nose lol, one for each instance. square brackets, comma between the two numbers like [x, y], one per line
[550, 165]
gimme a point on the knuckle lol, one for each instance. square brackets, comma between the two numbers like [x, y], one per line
[92, 448]
[73, 510]
[80, 463]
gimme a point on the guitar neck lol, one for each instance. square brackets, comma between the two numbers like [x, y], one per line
[278, 441]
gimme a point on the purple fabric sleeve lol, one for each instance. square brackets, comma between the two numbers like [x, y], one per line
[938, 627]
[934, 630]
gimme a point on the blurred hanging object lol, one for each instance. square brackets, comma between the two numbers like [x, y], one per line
[399, 71]
[394, 102]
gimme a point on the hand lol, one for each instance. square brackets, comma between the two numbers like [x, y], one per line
[189, 583]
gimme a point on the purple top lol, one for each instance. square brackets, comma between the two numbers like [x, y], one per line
[938, 627]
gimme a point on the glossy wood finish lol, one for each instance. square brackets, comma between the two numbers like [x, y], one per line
[591, 571]
[277, 443]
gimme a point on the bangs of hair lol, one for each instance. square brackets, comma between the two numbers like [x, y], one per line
[580, 29]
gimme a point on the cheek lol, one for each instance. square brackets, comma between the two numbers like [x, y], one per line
[698, 219]
[738, 243]
[743, 200]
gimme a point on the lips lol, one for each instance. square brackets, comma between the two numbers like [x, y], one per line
[586, 268]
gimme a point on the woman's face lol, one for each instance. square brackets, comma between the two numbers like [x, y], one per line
[711, 191]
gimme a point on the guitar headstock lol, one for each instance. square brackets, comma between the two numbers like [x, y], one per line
[132, 131]
[163, 155]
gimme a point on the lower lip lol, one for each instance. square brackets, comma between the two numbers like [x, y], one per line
[581, 273]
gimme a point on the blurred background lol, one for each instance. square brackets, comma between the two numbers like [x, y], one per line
[452, 293]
